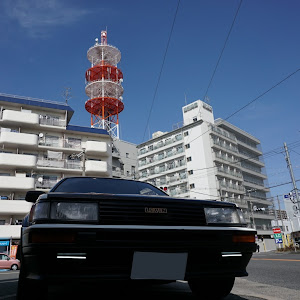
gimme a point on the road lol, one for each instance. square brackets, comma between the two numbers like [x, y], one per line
[272, 276]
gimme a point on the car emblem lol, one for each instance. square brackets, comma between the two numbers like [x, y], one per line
[156, 210]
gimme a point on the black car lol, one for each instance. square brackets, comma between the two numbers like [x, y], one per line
[104, 229]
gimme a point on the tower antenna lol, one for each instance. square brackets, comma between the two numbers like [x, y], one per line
[67, 94]
[104, 86]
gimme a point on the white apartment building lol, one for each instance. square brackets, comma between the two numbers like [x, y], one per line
[38, 147]
[209, 159]
[124, 159]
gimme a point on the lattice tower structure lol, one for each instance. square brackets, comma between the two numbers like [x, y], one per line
[104, 86]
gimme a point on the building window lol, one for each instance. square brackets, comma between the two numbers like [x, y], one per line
[181, 162]
[186, 133]
[195, 119]
[168, 141]
[169, 152]
[127, 155]
[162, 168]
[187, 146]
[160, 156]
[192, 186]
[178, 137]
[143, 151]
[191, 172]
[150, 148]
[179, 149]
[189, 158]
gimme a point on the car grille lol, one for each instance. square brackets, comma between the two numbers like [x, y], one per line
[168, 213]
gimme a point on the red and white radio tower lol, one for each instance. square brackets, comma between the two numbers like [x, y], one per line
[104, 86]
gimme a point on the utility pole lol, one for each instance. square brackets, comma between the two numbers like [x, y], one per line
[280, 213]
[288, 161]
[281, 220]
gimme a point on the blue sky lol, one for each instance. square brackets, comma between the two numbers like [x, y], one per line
[44, 44]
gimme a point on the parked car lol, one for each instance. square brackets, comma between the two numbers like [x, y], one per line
[7, 262]
[89, 228]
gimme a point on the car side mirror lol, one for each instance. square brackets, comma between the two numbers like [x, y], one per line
[8, 258]
[32, 196]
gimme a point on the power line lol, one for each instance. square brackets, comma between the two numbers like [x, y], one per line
[220, 56]
[255, 99]
[264, 93]
[161, 68]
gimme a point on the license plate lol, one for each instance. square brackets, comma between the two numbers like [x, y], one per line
[155, 265]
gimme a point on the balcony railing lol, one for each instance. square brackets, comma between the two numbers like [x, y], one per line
[223, 133]
[52, 122]
[226, 158]
[45, 184]
[232, 186]
[59, 163]
[235, 174]
[225, 146]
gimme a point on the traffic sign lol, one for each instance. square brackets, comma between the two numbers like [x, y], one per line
[278, 241]
[276, 230]
[277, 236]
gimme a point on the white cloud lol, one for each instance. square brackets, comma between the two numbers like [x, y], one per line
[38, 16]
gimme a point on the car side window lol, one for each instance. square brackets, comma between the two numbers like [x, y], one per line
[3, 257]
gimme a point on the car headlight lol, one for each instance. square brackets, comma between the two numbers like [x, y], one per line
[41, 211]
[79, 211]
[222, 215]
[67, 211]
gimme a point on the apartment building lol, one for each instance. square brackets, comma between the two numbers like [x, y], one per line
[38, 147]
[124, 159]
[209, 159]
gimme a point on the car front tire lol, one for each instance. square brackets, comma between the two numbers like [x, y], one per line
[14, 267]
[213, 289]
[31, 289]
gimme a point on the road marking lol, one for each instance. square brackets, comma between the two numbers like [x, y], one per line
[281, 259]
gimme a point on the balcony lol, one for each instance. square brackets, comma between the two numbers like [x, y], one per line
[93, 167]
[18, 139]
[16, 183]
[14, 207]
[97, 148]
[10, 231]
[234, 187]
[59, 163]
[45, 184]
[48, 121]
[231, 174]
[11, 160]
[223, 133]
[20, 117]
[225, 146]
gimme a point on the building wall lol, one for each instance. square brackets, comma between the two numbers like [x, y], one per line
[221, 162]
[124, 160]
[38, 147]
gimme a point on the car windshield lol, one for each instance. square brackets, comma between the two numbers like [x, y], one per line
[106, 185]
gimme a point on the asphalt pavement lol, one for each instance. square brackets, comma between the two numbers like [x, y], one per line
[272, 276]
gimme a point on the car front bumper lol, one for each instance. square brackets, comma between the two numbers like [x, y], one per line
[105, 252]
